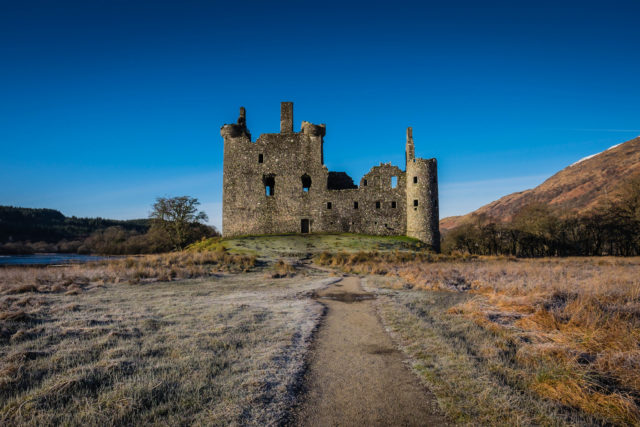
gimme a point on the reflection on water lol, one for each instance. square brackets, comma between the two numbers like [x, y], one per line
[46, 259]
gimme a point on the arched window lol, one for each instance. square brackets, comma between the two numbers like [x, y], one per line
[269, 182]
[306, 182]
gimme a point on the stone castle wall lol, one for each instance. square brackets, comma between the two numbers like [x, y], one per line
[289, 161]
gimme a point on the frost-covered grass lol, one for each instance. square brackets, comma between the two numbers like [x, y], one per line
[215, 351]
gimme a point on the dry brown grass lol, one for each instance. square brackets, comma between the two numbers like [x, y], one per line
[571, 326]
[135, 269]
[282, 268]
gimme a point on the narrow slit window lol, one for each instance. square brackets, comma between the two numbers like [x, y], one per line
[306, 182]
[415, 202]
[328, 205]
[355, 205]
[394, 181]
[364, 182]
[415, 179]
[378, 205]
[260, 158]
[393, 205]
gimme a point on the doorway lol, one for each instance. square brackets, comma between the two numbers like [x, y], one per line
[304, 226]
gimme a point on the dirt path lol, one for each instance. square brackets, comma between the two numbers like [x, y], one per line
[356, 376]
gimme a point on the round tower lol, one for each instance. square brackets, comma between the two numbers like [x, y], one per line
[422, 197]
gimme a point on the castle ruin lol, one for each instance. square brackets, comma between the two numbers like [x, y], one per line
[279, 184]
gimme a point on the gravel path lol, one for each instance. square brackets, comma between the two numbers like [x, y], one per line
[356, 376]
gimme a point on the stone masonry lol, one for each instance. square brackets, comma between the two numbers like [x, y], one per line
[279, 184]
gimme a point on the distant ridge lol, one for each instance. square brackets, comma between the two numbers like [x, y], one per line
[577, 188]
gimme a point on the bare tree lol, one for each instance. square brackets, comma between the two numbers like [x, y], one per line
[177, 217]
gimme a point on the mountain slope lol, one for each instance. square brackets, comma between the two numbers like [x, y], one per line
[577, 188]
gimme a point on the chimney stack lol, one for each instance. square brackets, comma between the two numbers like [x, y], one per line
[242, 119]
[286, 117]
[410, 151]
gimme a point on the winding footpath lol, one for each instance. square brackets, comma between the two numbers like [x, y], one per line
[356, 376]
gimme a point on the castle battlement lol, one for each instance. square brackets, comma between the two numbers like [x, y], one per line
[279, 184]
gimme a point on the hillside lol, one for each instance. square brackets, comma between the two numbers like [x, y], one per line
[49, 225]
[575, 189]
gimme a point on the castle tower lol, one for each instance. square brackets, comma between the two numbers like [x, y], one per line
[236, 138]
[422, 197]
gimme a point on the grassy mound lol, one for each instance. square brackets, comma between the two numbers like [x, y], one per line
[297, 245]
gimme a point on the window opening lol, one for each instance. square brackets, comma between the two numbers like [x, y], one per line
[415, 179]
[393, 205]
[364, 182]
[260, 158]
[415, 202]
[355, 205]
[394, 181]
[306, 182]
[269, 185]
[328, 205]
[378, 205]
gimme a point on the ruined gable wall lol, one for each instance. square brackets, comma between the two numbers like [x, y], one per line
[368, 219]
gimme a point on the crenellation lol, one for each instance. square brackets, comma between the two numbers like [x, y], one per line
[279, 184]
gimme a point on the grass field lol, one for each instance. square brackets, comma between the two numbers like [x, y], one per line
[217, 350]
[219, 334]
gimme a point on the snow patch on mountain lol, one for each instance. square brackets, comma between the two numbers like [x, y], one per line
[593, 155]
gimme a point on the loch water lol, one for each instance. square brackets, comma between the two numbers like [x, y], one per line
[48, 259]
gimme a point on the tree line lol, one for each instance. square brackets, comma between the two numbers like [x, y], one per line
[172, 225]
[613, 228]
[50, 226]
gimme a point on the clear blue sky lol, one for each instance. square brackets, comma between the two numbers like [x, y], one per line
[106, 104]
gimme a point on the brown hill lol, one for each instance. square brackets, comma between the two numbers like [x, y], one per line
[575, 189]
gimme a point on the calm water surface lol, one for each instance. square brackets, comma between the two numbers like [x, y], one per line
[47, 259]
